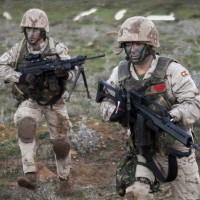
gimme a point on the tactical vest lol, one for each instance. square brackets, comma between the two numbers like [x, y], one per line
[154, 88]
[48, 89]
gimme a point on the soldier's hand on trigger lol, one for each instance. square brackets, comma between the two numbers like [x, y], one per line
[27, 78]
[61, 72]
[121, 106]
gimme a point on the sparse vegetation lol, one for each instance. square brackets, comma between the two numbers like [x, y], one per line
[93, 172]
[9, 149]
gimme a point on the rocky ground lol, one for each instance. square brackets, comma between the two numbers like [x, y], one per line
[93, 167]
[96, 146]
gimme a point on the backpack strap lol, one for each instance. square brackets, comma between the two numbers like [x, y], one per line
[52, 45]
[21, 45]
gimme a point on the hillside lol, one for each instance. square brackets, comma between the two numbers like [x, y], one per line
[96, 146]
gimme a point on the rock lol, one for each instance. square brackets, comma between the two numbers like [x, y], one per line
[43, 172]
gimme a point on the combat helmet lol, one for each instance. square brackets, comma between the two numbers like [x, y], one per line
[35, 18]
[138, 29]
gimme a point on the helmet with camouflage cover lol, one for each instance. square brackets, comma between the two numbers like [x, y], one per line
[138, 29]
[35, 18]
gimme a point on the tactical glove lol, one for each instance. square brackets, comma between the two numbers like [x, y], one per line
[27, 78]
[126, 119]
[121, 104]
[61, 72]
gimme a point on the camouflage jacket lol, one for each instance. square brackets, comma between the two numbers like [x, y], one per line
[13, 58]
[180, 88]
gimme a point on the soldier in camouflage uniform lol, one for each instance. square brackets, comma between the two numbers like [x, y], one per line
[32, 108]
[168, 83]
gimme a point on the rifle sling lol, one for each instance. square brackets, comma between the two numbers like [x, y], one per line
[52, 101]
[172, 166]
[177, 153]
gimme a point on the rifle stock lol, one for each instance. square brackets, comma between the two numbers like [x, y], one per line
[101, 92]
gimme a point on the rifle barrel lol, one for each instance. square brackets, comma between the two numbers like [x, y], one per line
[196, 146]
[97, 56]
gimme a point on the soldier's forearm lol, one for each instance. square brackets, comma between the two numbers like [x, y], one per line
[9, 74]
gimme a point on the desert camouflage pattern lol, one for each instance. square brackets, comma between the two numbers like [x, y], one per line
[35, 18]
[9, 58]
[138, 29]
[58, 126]
[56, 116]
[180, 87]
[186, 185]
[53, 86]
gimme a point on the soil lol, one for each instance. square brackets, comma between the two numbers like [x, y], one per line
[93, 174]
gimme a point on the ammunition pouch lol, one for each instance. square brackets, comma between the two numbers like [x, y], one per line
[45, 92]
[143, 135]
[145, 139]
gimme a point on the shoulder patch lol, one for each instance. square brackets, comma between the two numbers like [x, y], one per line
[184, 73]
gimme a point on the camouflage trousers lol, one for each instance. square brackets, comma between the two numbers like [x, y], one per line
[58, 126]
[186, 186]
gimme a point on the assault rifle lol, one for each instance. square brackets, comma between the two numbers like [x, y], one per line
[151, 119]
[44, 64]
[160, 120]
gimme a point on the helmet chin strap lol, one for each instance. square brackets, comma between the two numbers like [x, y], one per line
[42, 36]
[144, 52]
[152, 52]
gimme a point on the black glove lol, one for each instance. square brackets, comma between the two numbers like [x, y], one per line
[126, 119]
[27, 78]
[61, 72]
[121, 104]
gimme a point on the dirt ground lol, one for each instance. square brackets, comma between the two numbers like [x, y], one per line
[93, 174]
[101, 171]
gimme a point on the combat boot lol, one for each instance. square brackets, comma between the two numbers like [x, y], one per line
[66, 187]
[28, 181]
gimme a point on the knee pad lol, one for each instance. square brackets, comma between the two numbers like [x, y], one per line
[26, 129]
[61, 148]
